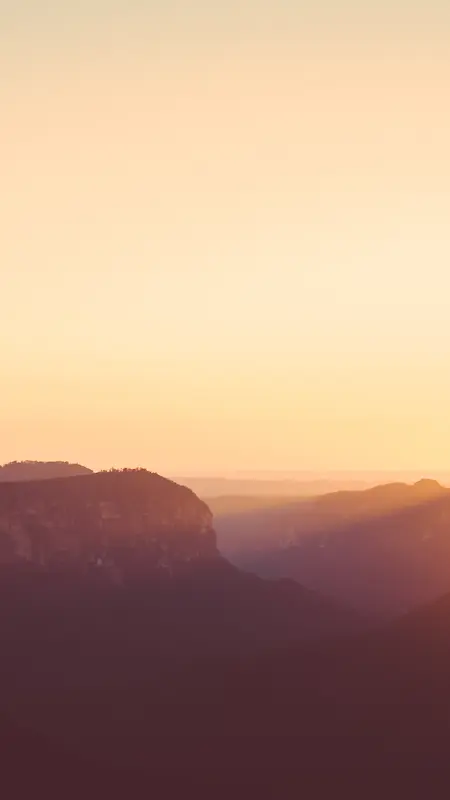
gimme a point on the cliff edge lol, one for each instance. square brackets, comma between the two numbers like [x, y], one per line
[119, 524]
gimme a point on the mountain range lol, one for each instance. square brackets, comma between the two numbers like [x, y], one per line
[382, 551]
[134, 655]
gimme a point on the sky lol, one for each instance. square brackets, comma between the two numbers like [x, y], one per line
[225, 234]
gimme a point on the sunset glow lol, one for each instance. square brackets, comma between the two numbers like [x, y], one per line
[225, 239]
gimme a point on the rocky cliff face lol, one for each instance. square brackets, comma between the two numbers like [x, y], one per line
[115, 524]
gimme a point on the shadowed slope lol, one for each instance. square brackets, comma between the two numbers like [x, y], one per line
[384, 550]
[378, 702]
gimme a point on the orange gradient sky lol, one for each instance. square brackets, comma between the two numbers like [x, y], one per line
[225, 245]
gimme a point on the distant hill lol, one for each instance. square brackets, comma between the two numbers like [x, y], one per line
[228, 505]
[206, 487]
[40, 470]
[255, 524]
[383, 550]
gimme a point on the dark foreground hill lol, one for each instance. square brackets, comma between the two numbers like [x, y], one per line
[376, 705]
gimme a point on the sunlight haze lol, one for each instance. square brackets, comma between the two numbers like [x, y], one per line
[225, 235]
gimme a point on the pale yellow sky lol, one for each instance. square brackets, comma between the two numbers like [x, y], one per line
[226, 253]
